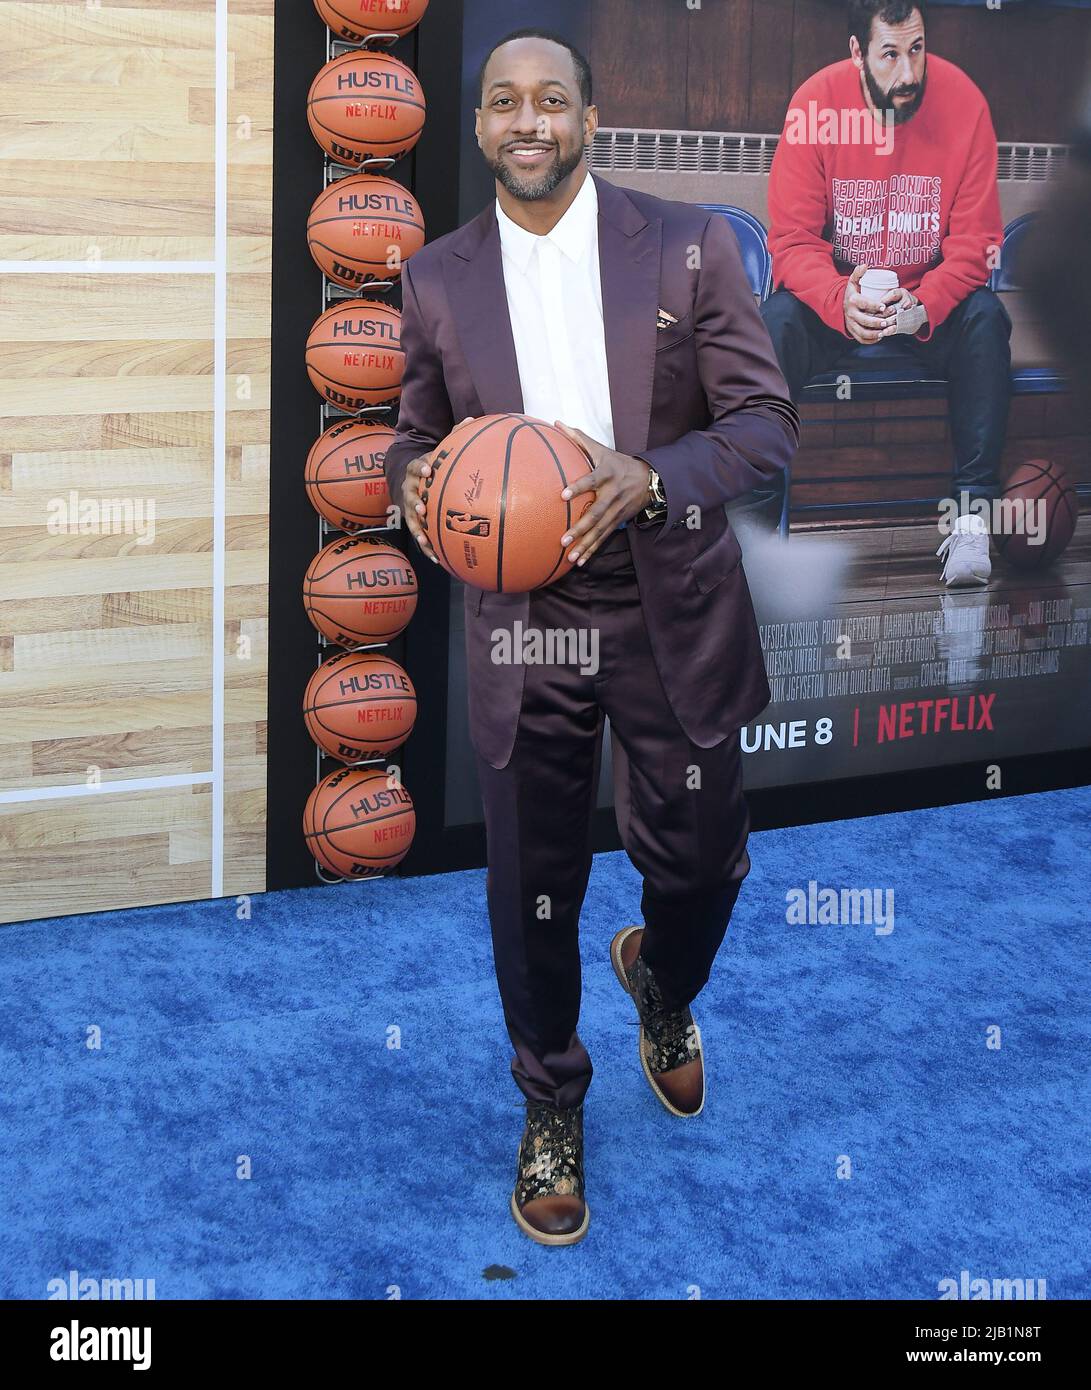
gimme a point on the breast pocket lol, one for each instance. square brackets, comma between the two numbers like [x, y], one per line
[677, 333]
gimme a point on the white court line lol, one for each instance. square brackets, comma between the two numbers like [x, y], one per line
[219, 450]
[107, 267]
[134, 784]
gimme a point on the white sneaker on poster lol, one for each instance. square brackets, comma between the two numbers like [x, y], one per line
[965, 553]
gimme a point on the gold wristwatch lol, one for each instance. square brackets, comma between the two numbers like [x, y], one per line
[657, 508]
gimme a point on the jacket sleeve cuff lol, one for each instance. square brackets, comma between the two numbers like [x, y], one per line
[661, 461]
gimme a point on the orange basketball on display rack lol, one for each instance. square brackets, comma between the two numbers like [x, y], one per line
[493, 506]
[354, 354]
[357, 825]
[360, 591]
[345, 477]
[359, 705]
[348, 21]
[365, 106]
[362, 228]
[1040, 515]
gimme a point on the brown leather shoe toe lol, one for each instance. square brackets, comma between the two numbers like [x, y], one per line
[669, 1041]
[547, 1201]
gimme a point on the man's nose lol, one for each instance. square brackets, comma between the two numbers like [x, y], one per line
[526, 118]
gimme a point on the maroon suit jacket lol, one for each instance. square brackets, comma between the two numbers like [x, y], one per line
[704, 402]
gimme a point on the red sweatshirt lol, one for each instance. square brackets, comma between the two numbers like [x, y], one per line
[929, 208]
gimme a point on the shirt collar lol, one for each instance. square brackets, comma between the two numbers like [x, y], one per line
[573, 235]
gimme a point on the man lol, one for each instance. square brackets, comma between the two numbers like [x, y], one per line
[628, 321]
[910, 188]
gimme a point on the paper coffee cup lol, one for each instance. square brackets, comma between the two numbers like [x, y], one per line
[875, 285]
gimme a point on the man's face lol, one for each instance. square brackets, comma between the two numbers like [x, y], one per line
[531, 124]
[895, 67]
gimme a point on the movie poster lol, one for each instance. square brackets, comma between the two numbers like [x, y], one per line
[922, 580]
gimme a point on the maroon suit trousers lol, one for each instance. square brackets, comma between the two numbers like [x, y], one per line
[681, 815]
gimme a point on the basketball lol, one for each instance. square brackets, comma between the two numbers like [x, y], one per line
[359, 705]
[362, 228]
[357, 825]
[494, 511]
[345, 478]
[365, 106]
[354, 354]
[345, 21]
[360, 591]
[1038, 514]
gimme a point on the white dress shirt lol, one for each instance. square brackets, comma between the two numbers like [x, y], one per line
[555, 306]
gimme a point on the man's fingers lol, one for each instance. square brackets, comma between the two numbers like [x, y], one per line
[419, 535]
[588, 483]
[586, 535]
[866, 306]
[870, 321]
[583, 550]
[576, 533]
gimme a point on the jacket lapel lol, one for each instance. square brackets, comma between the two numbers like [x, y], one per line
[474, 275]
[629, 253]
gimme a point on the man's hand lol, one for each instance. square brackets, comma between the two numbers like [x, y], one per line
[413, 503]
[904, 299]
[620, 484]
[865, 320]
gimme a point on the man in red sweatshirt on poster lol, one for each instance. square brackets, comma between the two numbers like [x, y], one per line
[888, 163]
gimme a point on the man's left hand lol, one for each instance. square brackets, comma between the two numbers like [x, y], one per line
[902, 299]
[620, 483]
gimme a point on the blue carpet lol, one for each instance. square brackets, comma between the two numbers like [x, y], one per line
[349, 1043]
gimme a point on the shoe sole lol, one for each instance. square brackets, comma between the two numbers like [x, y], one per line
[543, 1237]
[972, 581]
[619, 970]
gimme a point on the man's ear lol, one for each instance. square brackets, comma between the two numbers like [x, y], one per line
[855, 52]
[477, 124]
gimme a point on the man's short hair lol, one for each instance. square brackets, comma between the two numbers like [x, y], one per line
[582, 66]
[863, 13]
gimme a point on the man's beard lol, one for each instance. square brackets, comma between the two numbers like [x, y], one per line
[543, 184]
[884, 101]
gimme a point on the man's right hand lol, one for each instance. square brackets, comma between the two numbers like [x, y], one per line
[413, 502]
[865, 320]
[413, 507]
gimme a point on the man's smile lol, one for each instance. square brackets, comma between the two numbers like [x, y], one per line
[528, 154]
